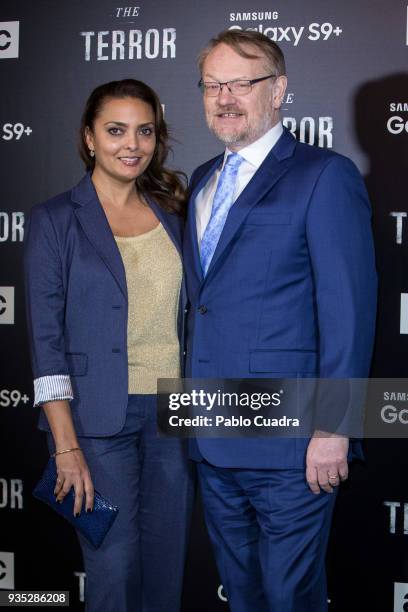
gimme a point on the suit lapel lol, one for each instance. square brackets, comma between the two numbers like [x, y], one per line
[171, 223]
[191, 240]
[268, 174]
[95, 225]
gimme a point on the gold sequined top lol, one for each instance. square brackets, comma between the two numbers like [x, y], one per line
[153, 274]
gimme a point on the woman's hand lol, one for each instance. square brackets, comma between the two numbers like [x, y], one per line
[73, 471]
[71, 467]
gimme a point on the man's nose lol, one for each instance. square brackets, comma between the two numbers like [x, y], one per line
[225, 96]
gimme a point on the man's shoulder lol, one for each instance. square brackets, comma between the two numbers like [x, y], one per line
[202, 170]
[314, 153]
[320, 157]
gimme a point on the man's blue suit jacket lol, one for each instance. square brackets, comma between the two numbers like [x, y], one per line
[290, 291]
[77, 304]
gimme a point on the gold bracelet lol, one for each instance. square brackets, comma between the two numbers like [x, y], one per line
[67, 450]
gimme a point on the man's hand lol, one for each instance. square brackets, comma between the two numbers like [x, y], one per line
[326, 461]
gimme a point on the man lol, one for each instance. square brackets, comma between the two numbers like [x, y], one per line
[281, 280]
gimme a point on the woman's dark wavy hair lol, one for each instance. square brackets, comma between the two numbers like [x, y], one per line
[166, 186]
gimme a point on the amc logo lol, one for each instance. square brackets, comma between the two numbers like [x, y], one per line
[6, 570]
[400, 597]
[7, 305]
[9, 39]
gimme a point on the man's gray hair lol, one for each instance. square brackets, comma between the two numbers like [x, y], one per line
[240, 40]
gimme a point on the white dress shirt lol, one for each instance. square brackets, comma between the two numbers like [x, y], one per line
[254, 154]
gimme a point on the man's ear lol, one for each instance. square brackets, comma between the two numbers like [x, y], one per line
[279, 89]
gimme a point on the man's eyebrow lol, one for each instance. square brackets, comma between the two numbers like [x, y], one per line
[239, 78]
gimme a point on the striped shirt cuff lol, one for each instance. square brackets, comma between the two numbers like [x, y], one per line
[49, 388]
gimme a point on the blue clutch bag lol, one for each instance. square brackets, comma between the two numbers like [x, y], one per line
[93, 525]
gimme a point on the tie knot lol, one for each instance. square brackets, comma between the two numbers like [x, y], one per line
[233, 161]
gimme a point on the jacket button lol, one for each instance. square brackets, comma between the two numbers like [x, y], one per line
[202, 309]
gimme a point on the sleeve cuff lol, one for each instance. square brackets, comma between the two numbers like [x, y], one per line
[49, 388]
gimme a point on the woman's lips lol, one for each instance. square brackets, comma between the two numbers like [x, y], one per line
[130, 161]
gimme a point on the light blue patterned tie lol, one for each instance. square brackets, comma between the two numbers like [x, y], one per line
[223, 200]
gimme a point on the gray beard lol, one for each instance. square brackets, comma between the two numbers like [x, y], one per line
[248, 136]
[229, 139]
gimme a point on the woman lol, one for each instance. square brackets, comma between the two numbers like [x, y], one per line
[104, 284]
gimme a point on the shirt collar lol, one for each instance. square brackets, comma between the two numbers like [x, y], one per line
[256, 152]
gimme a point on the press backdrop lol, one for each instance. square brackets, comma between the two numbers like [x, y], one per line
[348, 90]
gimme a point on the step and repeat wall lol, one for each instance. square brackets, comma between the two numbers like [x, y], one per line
[348, 90]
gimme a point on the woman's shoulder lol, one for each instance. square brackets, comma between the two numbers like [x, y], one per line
[61, 205]
[61, 200]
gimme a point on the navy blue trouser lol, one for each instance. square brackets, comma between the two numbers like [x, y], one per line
[139, 566]
[269, 533]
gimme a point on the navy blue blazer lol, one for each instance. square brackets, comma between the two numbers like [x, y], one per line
[291, 288]
[77, 305]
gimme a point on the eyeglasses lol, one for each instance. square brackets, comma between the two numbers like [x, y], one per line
[238, 87]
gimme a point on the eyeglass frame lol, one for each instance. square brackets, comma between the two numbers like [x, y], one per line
[201, 84]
